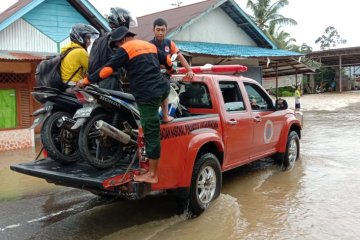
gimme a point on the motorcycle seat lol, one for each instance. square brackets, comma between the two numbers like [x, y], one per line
[122, 95]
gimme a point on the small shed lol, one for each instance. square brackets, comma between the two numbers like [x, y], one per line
[338, 59]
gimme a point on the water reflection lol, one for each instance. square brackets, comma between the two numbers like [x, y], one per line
[14, 185]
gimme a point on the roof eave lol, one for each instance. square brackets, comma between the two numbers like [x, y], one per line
[20, 13]
[254, 26]
[94, 14]
[257, 29]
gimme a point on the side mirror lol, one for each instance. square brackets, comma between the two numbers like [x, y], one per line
[281, 104]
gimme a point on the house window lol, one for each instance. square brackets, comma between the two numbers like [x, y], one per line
[8, 113]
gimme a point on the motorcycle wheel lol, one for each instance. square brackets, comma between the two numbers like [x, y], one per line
[100, 151]
[61, 144]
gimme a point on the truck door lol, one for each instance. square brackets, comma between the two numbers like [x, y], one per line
[267, 122]
[237, 124]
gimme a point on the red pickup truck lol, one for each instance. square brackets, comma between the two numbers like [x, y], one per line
[231, 121]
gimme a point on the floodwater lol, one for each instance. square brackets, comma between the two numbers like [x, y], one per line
[318, 199]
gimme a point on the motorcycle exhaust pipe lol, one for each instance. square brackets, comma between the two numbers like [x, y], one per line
[66, 123]
[114, 133]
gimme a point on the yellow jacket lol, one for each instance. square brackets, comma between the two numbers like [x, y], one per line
[75, 59]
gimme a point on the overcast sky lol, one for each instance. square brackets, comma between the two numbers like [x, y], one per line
[313, 16]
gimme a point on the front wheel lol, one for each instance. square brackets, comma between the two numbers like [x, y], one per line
[292, 151]
[100, 151]
[205, 183]
[61, 144]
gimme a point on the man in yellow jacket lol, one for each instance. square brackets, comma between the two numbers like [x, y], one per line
[74, 66]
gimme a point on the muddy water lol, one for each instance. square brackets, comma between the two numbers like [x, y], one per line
[14, 185]
[318, 199]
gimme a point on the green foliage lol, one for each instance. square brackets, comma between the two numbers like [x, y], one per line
[304, 48]
[266, 13]
[286, 94]
[281, 38]
[330, 38]
[286, 91]
[324, 76]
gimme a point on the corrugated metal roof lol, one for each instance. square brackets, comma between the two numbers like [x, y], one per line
[331, 57]
[283, 66]
[13, 9]
[231, 50]
[272, 61]
[22, 56]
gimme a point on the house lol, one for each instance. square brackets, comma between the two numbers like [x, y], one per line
[220, 32]
[30, 30]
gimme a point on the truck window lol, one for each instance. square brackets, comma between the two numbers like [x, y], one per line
[194, 95]
[259, 100]
[232, 96]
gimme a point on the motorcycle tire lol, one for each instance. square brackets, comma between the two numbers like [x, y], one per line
[100, 151]
[61, 144]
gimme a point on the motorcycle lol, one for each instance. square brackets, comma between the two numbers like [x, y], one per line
[319, 89]
[106, 121]
[57, 137]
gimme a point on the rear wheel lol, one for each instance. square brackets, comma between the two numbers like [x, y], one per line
[61, 144]
[205, 183]
[100, 151]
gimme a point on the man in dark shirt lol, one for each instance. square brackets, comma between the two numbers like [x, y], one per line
[142, 61]
[168, 46]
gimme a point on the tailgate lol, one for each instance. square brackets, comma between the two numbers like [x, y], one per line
[80, 175]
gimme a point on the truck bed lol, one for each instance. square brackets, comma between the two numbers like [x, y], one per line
[79, 175]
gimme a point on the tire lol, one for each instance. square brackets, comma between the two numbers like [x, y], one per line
[207, 168]
[292, 152]
[61, 144]
[91, 143]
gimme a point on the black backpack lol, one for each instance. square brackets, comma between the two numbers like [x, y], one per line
[48, 72]
[100, 53]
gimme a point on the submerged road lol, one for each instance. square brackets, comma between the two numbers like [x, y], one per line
[317, 199]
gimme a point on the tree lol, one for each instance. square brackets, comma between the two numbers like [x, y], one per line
[281, 38]
[330, 38]
[304, 48]
[266, 14]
